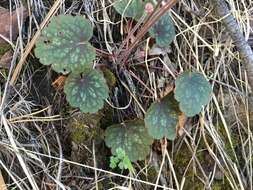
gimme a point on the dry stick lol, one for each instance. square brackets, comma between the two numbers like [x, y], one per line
[33, 41]
[237, 36]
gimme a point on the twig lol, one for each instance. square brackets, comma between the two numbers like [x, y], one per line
[237, 36]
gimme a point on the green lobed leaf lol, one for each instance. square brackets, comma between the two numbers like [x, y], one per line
[132, 137]
[130, 8]
[126, 162]
[87, 92]
[120, 153]
[192, 91]
[121, 160]
[64, 44]
[162, 117]
[113, 162]
[163, 31]
[122, 166]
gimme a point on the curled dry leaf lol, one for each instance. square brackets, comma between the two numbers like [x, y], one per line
[58, 84]
[9, 22]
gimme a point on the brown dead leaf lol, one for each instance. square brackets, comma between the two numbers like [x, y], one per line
[9, 22]
[58, 84]
[5, 60]
[182, 118]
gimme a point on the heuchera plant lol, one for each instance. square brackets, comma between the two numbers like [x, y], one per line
[64, 44]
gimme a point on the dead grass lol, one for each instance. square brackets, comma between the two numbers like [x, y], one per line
[217, 145]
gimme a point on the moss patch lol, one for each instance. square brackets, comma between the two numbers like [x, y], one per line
[4, 48]
[85, 127]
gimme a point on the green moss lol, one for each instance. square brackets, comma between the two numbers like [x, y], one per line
[3, 74]
[100, 185]
[109, 77]
[152, 174]
[3, 71]
[85, 127]
[182, 159]
[107, 118]
[86, 132]
[4, 48]
[221, 185]
[149, 174]
[193, 184]
[235, 138]
[78, 132]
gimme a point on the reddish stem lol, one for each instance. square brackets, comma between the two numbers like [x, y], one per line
[153, 18]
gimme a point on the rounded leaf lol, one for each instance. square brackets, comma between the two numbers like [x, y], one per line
[130, 8]
[163, 31]
[64, 44]
[162, 117]
[132, 137]
[192, 91]
[87, 92]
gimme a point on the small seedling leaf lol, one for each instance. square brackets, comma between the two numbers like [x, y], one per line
[130, 8]
[163, 31]
[162, 117]
[121, 160]
[120, 153]
[113, 162]
[192, 91]
[132, 137]
[64, 44]
[86, 91]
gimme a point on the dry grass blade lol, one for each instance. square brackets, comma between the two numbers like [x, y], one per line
[237, 36]
[2, 182]
[15, 149]
[29, 46]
